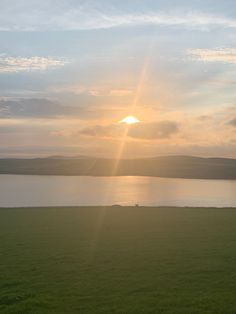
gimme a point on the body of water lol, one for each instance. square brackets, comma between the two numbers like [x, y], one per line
[24, 190]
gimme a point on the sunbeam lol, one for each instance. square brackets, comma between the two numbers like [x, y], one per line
[136, 99]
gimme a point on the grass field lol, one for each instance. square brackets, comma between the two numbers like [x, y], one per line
[122, 260]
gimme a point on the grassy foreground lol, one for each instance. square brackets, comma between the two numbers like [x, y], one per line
[122, 260]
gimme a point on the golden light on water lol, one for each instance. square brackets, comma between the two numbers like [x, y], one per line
[130, 120]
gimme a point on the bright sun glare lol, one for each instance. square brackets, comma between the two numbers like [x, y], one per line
[129, 120]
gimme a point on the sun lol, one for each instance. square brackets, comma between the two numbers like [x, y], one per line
[129, 120]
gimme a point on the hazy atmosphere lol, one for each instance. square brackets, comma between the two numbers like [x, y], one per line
[71, 71]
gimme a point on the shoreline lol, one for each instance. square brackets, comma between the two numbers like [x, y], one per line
[118, 207]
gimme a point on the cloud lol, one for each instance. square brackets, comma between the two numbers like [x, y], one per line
[193, 20]
[113, 130]
[46, 108]
[35, 108]
[155, 130]
[95, 91]
[37, 15]
[233, 122]
[26, 64]
[146, 131]
[225, 55]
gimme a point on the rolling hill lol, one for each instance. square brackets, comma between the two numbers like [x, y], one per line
[166, 166]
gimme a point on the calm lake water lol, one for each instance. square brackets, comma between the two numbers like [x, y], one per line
[20, 190]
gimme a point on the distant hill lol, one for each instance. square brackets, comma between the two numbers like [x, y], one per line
[168, 166]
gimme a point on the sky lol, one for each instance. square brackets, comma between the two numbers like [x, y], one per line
[71, 70]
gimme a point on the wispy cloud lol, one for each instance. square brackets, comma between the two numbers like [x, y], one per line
[22, 64]
[37, 15]
[189, 19]
[226, 55]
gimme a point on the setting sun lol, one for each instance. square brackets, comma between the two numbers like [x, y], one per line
[129, 120]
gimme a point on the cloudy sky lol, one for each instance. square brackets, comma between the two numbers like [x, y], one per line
[70, 70]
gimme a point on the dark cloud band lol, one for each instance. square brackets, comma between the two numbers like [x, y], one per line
[146, 131]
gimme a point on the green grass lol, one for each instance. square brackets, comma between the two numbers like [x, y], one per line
[117, 260]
